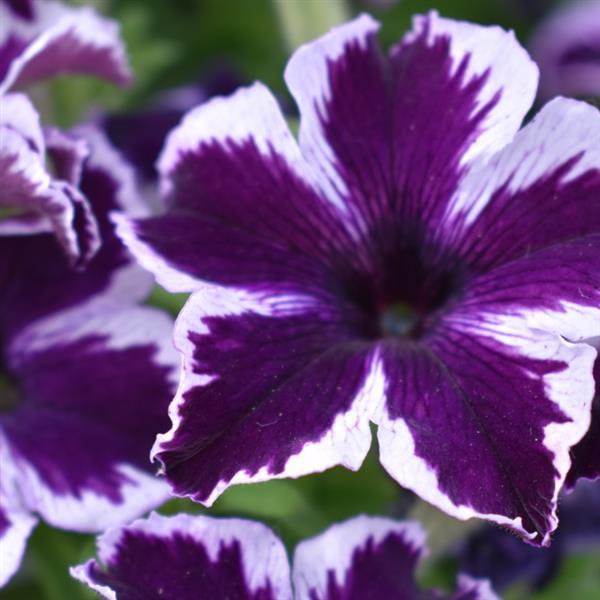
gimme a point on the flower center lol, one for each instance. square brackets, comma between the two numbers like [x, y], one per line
[9, 395]
[399, 320]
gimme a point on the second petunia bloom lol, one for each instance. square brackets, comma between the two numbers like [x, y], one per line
[414, 261]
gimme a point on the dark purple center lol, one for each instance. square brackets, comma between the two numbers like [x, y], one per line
[409, 285]
[399, 320]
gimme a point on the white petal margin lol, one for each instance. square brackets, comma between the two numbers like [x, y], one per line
[571, 390]
[13, 542]
[170, 278]
[43, 203]
[468, 585]
[346, 443]
[13, 539]
[87, 42]
[250, 113]
[511, 72]
[306, 76]
[125, 328]
[333, 550]
[562, 130]
[264, 558]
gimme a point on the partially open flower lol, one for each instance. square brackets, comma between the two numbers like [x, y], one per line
[86, 374]
[41, 174]
[416, 261]
[38, 169]
[185, 557]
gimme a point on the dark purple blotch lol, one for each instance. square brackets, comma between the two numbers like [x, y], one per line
[178, 567]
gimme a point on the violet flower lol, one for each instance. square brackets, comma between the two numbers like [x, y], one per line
[35, 200]
[416, 262]
[566, 46]
[185, 557]
[86, 374]
[39, 39]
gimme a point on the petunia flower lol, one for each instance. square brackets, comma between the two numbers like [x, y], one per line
[415, 261]
[43, 38]
[187, 557]
[34, 199]
[39, 39]
[566, 46]
[86, 374]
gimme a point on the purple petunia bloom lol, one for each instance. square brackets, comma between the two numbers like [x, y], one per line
[86, 374]
[416, 262]
[566, 46]
[34, 199]
[185, 557]
[39, 39]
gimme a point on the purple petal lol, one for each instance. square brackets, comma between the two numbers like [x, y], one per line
[36, 279]
[541, 189]
[225, 171]
[41, 202]
[374, 127]
[586, 454]
[369, 557]
[503, 390]
[279, 381]
[187, 557]
[566, 46]
[96, 386]
[59, 40]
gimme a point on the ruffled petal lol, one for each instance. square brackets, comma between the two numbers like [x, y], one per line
[189, 557]
[59, 40]
[34, 276]
[35, 200]
[278, 380]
